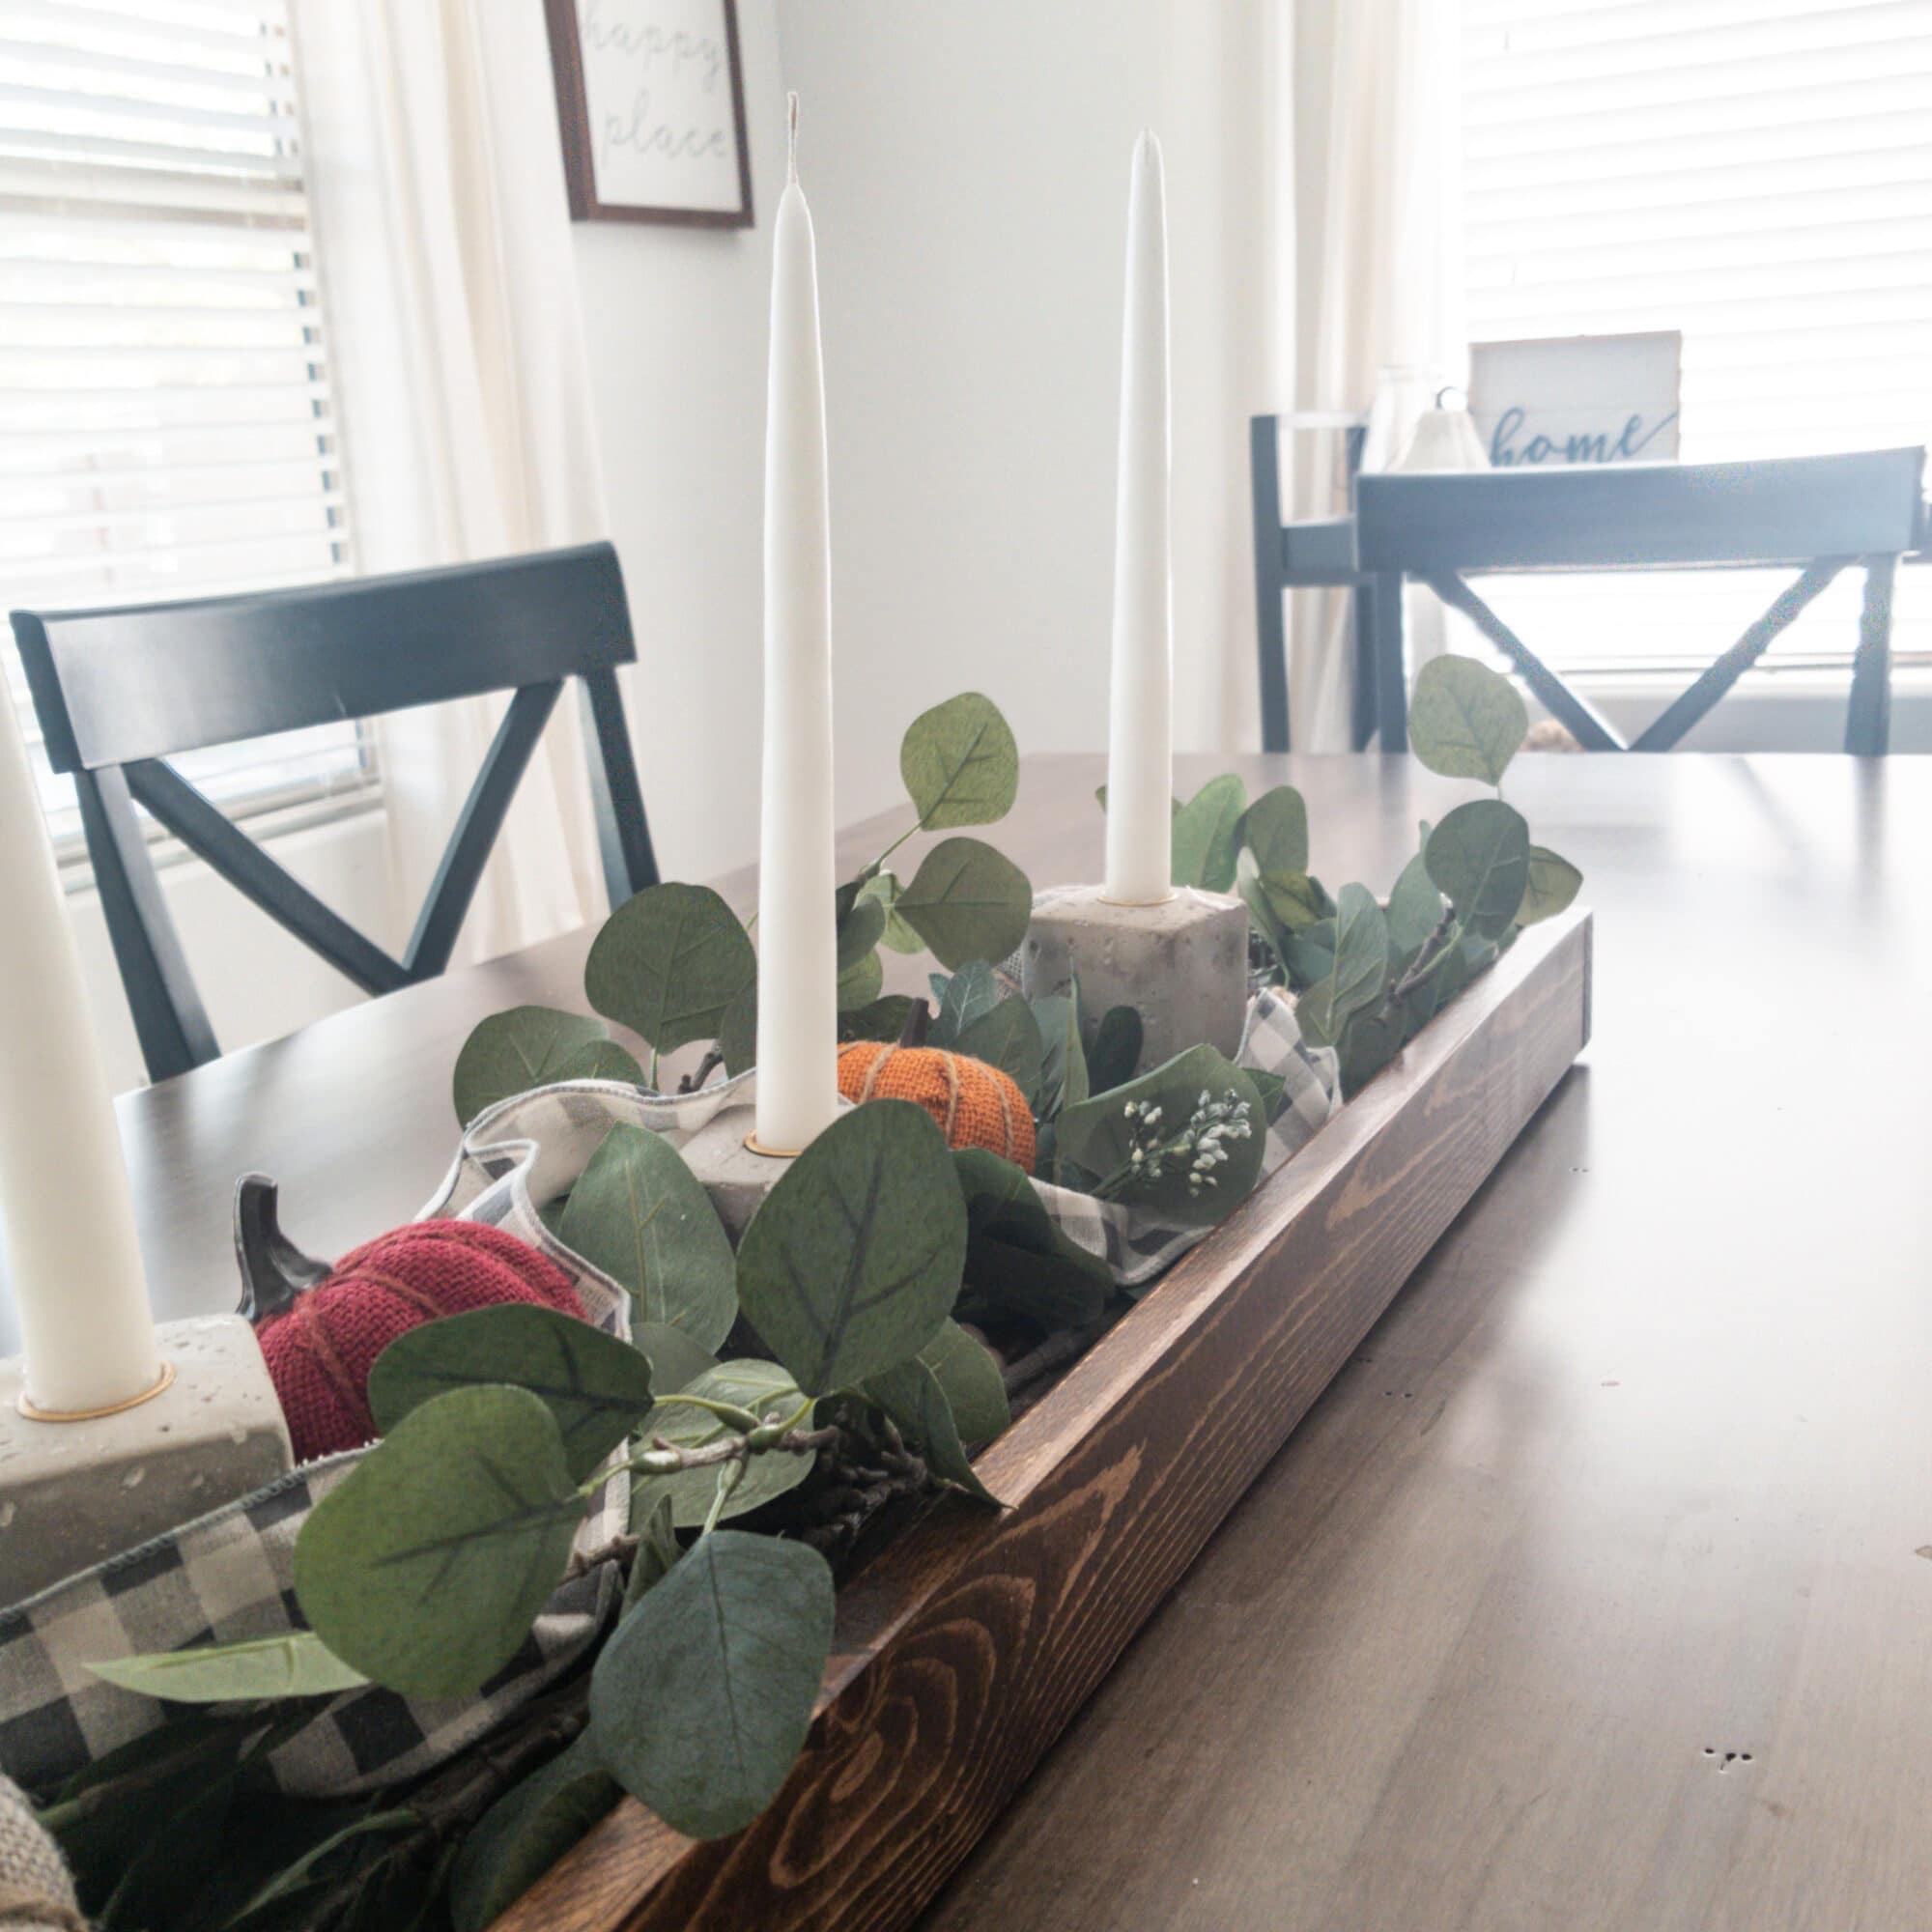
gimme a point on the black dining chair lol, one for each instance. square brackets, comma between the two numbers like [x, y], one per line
[119, 693]
[1818, 515]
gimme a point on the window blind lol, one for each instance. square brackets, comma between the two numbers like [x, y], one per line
[1757, 174]
[166, 427]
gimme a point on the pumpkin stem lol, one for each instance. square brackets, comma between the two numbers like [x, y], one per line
[917, 1021]
[275, 1271]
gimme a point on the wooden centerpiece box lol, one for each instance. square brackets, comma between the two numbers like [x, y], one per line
[968, 1643]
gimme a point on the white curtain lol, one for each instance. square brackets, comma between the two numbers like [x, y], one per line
[464, 392]
[1376, 248]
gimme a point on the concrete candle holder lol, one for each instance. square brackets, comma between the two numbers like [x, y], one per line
[737, 1174]
[76, 1488]
[1181, 963]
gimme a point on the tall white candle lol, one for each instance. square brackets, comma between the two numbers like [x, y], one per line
[798, 975]
[73, 1261]
[1140, 748]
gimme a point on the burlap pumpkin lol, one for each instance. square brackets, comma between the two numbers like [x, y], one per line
[975, 1105]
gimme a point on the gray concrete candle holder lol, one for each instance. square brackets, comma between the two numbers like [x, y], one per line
[75, 1489]
[1182, 964]
[737, 1174]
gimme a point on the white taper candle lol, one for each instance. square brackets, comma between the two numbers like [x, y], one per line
[1140, 748]
[798, 975]
[73, 1264]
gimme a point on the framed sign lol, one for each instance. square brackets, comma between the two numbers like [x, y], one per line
[651, 99]
[1576, 399]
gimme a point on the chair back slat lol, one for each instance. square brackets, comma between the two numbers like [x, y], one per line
[120, 692]
[1645, 515]
[152, 681]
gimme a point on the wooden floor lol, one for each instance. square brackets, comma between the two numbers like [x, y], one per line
[1598, 1592]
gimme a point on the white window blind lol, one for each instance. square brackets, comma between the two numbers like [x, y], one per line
[1757, 174]
[165, 422]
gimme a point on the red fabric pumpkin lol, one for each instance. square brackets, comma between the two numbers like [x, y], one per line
[321, 1350]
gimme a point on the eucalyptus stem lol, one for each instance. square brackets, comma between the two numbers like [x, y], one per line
[1442, 941]
[665, 1459]
[728, 1479]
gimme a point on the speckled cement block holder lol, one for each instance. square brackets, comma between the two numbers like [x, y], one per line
[1182, 964]
[72, 1493]
[735, 1176]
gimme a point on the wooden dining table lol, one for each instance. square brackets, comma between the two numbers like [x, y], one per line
[1597, 1590]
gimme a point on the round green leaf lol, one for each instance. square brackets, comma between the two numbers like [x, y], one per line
[1414, 909]
[738, 1031]
[670, 963]
[883, 889]
[596, 1387]
[425, 1569]
[860, 984]
[911, 1396]
[967, 902]
[1006, 1037]
[526, 1832]
[881, 1019]
[860, 928]
[296, 1664]
[1553, 882]
[1099, 1135]
[761, 1386]
[971, 1377]
[959, 763]
[1116, 1051]
[1465, 720]
[676, 1360]
[533, 1046]
[1275, 829]
[1478, 857]
[1360, 972]
[964, 998]
[1206, 835]
[641, 1214]
[855, 1257]
[701, 1701]
[1296, 900]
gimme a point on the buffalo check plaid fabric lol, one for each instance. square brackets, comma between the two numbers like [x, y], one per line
[230, 1574]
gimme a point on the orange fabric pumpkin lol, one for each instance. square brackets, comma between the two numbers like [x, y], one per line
[975, 1105]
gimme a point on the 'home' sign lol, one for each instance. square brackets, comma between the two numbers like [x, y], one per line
[1576, 399]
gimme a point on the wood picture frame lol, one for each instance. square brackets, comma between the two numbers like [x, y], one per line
[1574, 401]
[688, 172]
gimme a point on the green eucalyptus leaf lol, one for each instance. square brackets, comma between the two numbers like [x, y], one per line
[1465, 720]
[738, 1032]
[526, 1832]
[975, 1388]
[670, 964]
[754, 1384]
[655, 1526]
[855, 1257]
[533, 1046]
[1311, 954]
[1271, 1086]
[1206, 835]
[676, 1360]
[641, 1214]
[1062, 1074]
[967, 902]
[1478, 857]
[701, 1701]
[1438, 986]
[1361, 950]
[1116, 1051]
[959, 763]
[1369, 1041]
[1020, 1261]
[970, 993]
[1099, 1135]
[883, 1019]
[1262, 919]
[596, 1387]
[1296, 900]
[1553, 883]
[1275, 829]
[1414, 908]
[1006, 1037]
[860, 928]
[425, 1568]
[883, 889]
[860, 984]
[294, 1663]
[911, 1396]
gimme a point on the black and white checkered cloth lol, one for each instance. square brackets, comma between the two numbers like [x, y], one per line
[230, 1574]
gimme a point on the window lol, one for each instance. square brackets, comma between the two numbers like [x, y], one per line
[166, 421]
[1757, 174]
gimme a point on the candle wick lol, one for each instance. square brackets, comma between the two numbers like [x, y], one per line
[792, 153]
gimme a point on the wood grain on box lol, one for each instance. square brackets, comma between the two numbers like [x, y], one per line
[969, 1643]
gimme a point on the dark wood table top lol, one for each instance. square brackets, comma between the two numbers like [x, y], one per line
[1597, 1591]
